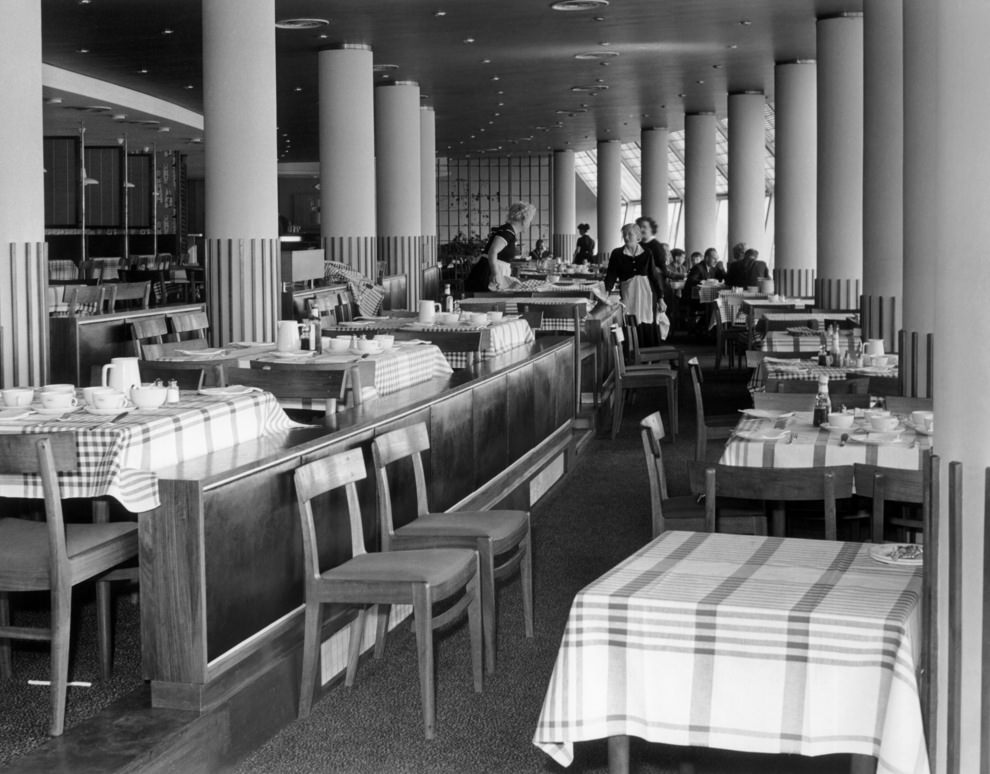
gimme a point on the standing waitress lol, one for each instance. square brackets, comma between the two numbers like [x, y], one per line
[491, 271]
[632, 267]
[584, 252]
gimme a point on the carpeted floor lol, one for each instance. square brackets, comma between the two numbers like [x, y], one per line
[596, 518]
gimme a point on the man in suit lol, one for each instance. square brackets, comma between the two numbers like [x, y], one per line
[710, 267]
[735, 274]
[754, 269]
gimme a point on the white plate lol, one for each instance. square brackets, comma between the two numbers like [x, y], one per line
[762, 435]
[296, 353]
[230, 389]
[354, 324]
[889, 553]
[200, 352]
[827, 426]
[54, 412]
[766, 413]
[875, 439]
[11, 414]
[109, 412]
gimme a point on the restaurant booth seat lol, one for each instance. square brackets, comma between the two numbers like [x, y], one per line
[498, 533]
[55, 557]
[419, 578]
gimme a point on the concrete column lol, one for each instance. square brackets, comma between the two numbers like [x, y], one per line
[399, 177]
[347, 156]
[655, 179]
[428, 184]
[564, 237]
[699, 182]
[241, 193]
[921, 247]
[960, 191]
[840, 147]
[747, 171]
[796, 170]
[883, 153]
[609, 197]
[23, 259]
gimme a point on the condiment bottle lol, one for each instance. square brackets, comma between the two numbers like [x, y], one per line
[172, 393]
[823, 403]
[448, 299]
[304, 332]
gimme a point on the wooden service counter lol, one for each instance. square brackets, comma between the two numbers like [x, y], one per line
[221, 559]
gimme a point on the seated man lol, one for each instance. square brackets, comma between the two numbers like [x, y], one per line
[754, 268]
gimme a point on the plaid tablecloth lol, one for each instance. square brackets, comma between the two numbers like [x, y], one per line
[807, 446]
[512, 302]
[120, 459]
[760, 644]
[802, 340]
[788, 369]
[706, 294]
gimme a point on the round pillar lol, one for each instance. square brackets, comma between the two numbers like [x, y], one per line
[241, 193]
[347, 156]
[428, 184]
[564, 237]
[399, 179]
[609, 197]
[699, 182]
[840, 148]
[747, 171]
[883, 153]
[655, 179]
[796, 176]
[23, 258]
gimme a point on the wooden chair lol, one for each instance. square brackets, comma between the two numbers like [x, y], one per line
[131, 295]
[781, 485]
[905, 405]
[52, 556]
[146, 331]
[419, 578]
[633, 377]
[714, 428]
[730, 339]
[662, 353]
[86, 300]
[340, 379]
[190, 325]
[684, 512]
[897, 485]
[583, 350]
[465, 343]
[504, 534]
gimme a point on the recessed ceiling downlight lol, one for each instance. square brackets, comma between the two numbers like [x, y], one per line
[597, 55]
[301, 24]
[579, 5]
[384, 67]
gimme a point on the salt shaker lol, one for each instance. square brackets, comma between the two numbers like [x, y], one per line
[172, 393]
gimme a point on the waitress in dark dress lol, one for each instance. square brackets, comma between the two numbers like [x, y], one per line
[639, 285]
[491, 271]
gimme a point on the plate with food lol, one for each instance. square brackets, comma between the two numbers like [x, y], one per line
[909, 554]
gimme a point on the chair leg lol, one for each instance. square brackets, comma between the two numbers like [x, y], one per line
[595, 386]
[61, 623]
[354, 645]
[672, 408]
[526, 581]
[103, 633]
[6, 663]
[424, 646]
[311, 653]
[617, 401]
[486, 558]
[476, 625]
[381, 630]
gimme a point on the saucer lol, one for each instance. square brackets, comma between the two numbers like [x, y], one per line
[109, 412]
[55, 412]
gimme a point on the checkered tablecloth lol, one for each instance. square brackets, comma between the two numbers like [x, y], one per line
[806, 446]
[119, 459]
[759, 644]
[788, 369]
[808, 341]
[707, 294]
[557, 324]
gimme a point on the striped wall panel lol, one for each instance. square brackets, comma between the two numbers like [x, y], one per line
[243, 285]
[563, 246]
[794, 283]
[401, 255]
[428, 250]
[357, 252]
[837, 294]
[24, 315]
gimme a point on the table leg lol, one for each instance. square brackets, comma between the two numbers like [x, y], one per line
[858, 764]
[618, 754]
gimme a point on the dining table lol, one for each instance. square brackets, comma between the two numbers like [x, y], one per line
[772, 370]
[742, 642]
[120, 449]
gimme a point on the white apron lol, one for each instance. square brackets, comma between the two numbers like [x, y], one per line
[637, 295]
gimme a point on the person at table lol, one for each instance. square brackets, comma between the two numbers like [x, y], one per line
[696, 258]
[735, 273]
[585, 250]
[639, 283]
[753, 269]
[539, 252]
[491, 271]
[677, 269]
[709, 268]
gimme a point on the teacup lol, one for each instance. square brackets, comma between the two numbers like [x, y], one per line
[840, 419]
[107, 398]
[148, 395]
[495, 316]
[89, 393]
[921, 418]
[18, 396]
[883, 423]
[70, 388]
[385, 340]
[477, 318]
[58, 400]
[368, 345]
[339, 343]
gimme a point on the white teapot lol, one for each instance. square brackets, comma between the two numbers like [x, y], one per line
[287, 336]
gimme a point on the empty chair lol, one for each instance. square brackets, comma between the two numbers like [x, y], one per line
[420, 578]
[85, 300]
[883, 485]
[661, 353]
[777, 486]
[131, 295]
[504, 534]
[731, 340]
[52, 556]
[145, 331]
[632, 377]
[190, 325]
[708, 428]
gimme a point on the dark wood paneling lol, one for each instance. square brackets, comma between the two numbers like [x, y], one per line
[451, 451]
[544, 409]
[519, 402]
[491, 430]
[563, 385]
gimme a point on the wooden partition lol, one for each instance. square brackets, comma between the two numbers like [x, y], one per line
[396, 292]
[794, 283]
[430, 288]
[837, 294]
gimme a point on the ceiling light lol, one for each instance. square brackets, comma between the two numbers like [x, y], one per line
[604, 43]
[732, 45]
[188, 86]
[469, 40]
[440, 13]
[53, 100]
[143, 71]
[84, 2]
[383, 67]
[128, 184]
[486, 61]
[599, 19]
[594, 55]
[495, 78]
[745, 22]
[323, 36]
[298, 88]
[578, 5]
[301, 24]
[82, 50]
[167, 31]
[119, 117]
[699, 82]
[164, 128]
[87, 180]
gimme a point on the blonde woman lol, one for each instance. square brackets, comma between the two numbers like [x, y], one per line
[492, 270]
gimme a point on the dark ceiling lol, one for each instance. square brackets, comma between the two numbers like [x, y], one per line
[511, 90]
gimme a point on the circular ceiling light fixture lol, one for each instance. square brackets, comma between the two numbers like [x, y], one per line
[301, 24]
[384, 67]
[596, 55]
[579, 5]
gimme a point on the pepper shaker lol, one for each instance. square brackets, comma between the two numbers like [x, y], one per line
[172, 393]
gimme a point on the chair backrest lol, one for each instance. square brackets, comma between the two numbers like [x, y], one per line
[86, 300]
[47, 456]
[406, 442]
[149, 330]
[857, 385]
[696, 379]
[91, 272]
[195, 323]
[903, 405]
[318, 478]
[131, 292]
[531, 313]
[395, 288]
[494, 306]
[826, 484]
[616, 337]
[892, 484]
[167, 348]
